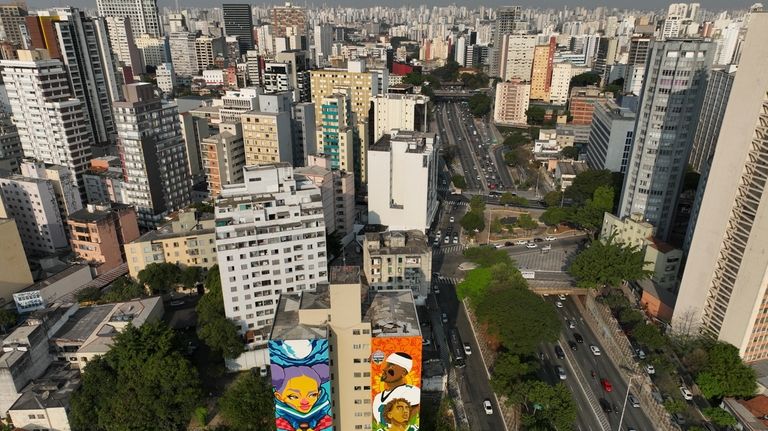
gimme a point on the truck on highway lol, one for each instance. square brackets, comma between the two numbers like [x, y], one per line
[457, 347]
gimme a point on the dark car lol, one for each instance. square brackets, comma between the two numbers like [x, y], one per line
[509, 244]
[573, 345]
[606, 405]
[559, 352]
[578, 337]
[537, 239]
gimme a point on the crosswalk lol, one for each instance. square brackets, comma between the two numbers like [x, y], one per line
[448, 249]
[445, 281]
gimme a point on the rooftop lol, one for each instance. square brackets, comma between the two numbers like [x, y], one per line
[286, 324]
[94, 213]
[56, 277]
[660, 245]
[393, 314]
[344, 275]
[53, 389]
[167, 231]
[396, 242]
[82, 323]
[419, 139]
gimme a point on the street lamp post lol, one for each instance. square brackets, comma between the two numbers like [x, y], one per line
[624, 407]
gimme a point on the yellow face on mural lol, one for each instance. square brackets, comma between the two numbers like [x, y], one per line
[398, 412]
[300, 392]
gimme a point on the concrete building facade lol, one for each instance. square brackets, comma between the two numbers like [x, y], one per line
[12, 254]
[399, 111]
[143, 14]
[711, 118]
[610, 137]
[395, 260]
[512, 100]
[402, 181]
[223, 157]
[98, 233]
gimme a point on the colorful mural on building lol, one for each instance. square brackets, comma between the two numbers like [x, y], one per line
[396, 383]
[302, 384]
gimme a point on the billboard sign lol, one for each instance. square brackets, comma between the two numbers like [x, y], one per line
[301, 384]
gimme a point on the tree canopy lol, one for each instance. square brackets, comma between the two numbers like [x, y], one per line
[472, 221]
[7, 319]
[553, 216]
[590, 215]
[474, 81]
[142, 383]
[585, 184]
[248, 404]
[570, 152]
[719, 416]
[607, 263]
[725, 374]
[519, 318]
[487, 256]
[508, 371]
[584, 79]
[479, 104]
[160, 277]
[548, 407]
[459, 181]
[509, 199]
[553, 198]
[535, 114]
[215, 330]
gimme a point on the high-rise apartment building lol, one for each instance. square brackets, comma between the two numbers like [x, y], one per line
[399, 111]
[323, 38]
[223, 157]
[82, 45]
[363, 84]
[304, 142]
[541, 70]
[335, 134]
[509, 20]
[123, 43]
[669, 110]
[723, 292]
[338, 191]
[267, 132]
[165, 75]
[396, 260]
[143, 14]
[711, 118]
[270, 237]
[153, 153]
[583, 102]
[65, 187]
[10, 144]
[52, 125]
[562, 73]
[238, 21]
[153, 50]
[33, 204]
[402, 181]
[516, 56]
[11, 23]
[610, 137]
[639, 48]
[207, 49]
[289, 20]
[512, 99]
[183, 53]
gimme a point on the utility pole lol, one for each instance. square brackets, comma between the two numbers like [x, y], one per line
[626, 396]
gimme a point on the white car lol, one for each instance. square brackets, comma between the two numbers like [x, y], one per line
[451, 219]
[561, 297]
[595, 350]
[549, 238]
[521, 242]
[650, 369]
[467, 349]
[531, 245]
[561, 372]
[686, 393]
[488, 407]
[571, 324]
[558, 304]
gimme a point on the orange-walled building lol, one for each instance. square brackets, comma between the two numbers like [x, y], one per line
[98, 232]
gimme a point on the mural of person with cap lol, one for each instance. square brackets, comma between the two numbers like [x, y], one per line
[396, 407]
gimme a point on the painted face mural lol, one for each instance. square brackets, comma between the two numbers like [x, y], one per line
[396, 375]
[301, 383]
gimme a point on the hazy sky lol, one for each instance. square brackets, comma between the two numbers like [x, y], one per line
[621, 4]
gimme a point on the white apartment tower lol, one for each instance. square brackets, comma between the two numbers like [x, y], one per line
[402, 181]
[183, 53]
[154, 154]
[724, 291]
[668, 113]
[399, 111]
[270, 239]
[142, 14]
[166, 77]
[123, 43]
[52, 126]
[517, 56]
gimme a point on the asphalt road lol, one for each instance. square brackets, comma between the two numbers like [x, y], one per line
[603, 368]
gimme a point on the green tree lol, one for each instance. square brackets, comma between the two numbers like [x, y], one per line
[553, 198]
[590, 216]
[616, 87]
[160, 277]
[477, 204]
[335, 247]
[190, 276]
[89, 294]
[472, 221]
[122, 289]
[535, 114]
[631, 317]
[608, 263]
[719, 416]
[584, 79]
[449, 154]
[215, 330]
[548, 407]
[459, 181]
[526, 222]
[570, 153]
[649, 335]
[248, 404]
[7, 319]
[509, 199]
[479, 104]
[515, 140]
[203, 207]
[475, 284]
[725, 374]
[553, 216]
[508, 371]
[519, 318]
[675, 405]
[142, 383]
[585, 184]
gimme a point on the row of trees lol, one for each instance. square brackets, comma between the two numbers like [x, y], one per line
[163, 277]
[518, 320]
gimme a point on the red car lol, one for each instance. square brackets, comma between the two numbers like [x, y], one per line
[606, 385]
